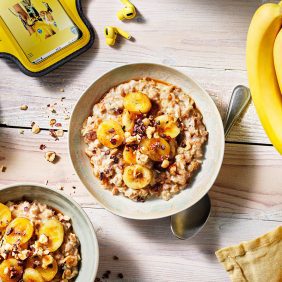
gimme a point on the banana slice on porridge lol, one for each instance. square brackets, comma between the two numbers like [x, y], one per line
[137, 102]
[19, 231]
[157, 149]
[129, 155]
[46, 266]
[110, 134]
[137, 176]
[5, 216]
[54, 231]
[11, 270]
[166, 125]
[32, 275]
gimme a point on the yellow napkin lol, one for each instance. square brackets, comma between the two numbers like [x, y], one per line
[259, 260]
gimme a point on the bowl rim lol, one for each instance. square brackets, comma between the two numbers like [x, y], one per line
[216, 112]
[73, 202]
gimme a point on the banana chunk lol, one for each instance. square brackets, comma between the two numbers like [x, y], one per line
[128, 120]
[137, 102]
[47, 268]
[167, 125]
[110, 134]
[129, 155]
[5, 216]
[10, 268]
[19, 231]
[32, 275]
[137, 176]
[54, 231]
[157, 149]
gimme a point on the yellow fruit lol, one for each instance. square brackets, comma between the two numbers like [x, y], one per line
[265, 91]
[47, 268]
[157, 149]
[129, 155]
[5, 216]
[137, 176]
[137, 102]
[278, 58]
[173, 148]
[54, 230]
[32, 275]
[167, 125]
[19, 231]
[110, 133]
[128, 120]
[13, 267]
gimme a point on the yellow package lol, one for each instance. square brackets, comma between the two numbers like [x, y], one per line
[42, 35]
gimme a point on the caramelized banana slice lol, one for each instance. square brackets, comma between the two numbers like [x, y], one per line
[110, 133]
[157, 149]
[137, 176]
[54, 230]
[47, 268]
[166, 125]
[128, 120]
[137, 102]
[129, 155]
[10, 270]
[19, 231]
[32, 275]
[5, 216]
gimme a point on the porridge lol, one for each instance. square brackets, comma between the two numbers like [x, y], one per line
[37, 243]
[145, 139]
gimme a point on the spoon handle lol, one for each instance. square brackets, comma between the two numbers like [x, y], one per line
[241, 96]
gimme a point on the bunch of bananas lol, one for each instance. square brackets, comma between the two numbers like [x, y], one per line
[264, 65]
[20, 231]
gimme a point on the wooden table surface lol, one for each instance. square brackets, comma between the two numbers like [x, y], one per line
[206, 40]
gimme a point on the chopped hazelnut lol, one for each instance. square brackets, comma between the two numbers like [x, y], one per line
[43, 239]
[52, 122]
[24, 107]
[35, 129]
[165, 164]
[3, 168]
[46, 261]
[60, 133]
[150, 131]
[50, 156]
[146, 121]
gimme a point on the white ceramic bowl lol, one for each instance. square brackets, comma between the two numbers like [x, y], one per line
[80, 222]
[156, 208]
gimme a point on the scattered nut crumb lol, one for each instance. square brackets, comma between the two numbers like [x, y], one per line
[21, 131]
[66, 117]
[61, 187]
[120, 276]
[3, 168]
[35, 129]
[62, 90]
[52, 122]
[60, 133]
[50, 156]
[115, 258]
[24, 107]
[42, 147]
[165, 164]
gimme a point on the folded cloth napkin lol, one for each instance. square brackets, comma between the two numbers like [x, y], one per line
[259, 260]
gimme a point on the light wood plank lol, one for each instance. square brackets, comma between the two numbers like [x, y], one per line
[218, 83]
[247, 186]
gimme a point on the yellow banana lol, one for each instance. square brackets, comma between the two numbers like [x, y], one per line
[278, 58]
[266, 95]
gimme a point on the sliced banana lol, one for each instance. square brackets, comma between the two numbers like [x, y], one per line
[6, 268]
[129, 155]
[128, 120]
[166, 125]
[32, 275]
[5, 216]
[19, 231]
[137, 176]
[47, 270]
[137, 102]
[54, 231]
[110, 133]
[157, 149]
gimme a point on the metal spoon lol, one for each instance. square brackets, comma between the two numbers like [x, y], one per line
[188, 223]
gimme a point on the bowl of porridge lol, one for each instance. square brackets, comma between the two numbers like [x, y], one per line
[146, 141]
[44, 236]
